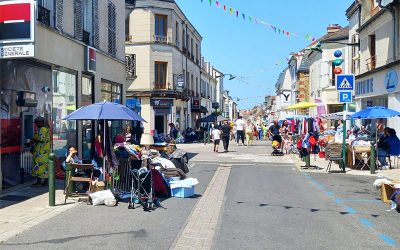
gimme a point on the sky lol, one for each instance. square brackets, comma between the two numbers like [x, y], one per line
[254, 52]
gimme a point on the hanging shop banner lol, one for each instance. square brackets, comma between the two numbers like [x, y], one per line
[90, 59]
[195, 103]
[17, 21]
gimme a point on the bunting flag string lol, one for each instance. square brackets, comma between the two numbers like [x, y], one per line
[277, 30]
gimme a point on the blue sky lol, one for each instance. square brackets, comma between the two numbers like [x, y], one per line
[252, 50]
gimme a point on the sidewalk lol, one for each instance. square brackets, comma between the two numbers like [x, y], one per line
[25, 207]
[393, 174]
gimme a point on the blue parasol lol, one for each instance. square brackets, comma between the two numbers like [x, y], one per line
[376, 112]
[104, 111]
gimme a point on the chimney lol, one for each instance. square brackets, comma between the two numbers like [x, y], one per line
[332, 28]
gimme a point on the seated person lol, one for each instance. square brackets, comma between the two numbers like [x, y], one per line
[72, 156]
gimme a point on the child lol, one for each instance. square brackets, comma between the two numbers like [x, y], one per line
[216, 136]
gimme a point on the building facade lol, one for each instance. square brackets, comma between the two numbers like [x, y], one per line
[167, 48]
[378, 59]
[73, 56]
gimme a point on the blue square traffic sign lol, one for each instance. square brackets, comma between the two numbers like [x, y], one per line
[345, 97]
[345, 82]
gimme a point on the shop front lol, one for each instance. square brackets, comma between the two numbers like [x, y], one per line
[28, 90]
[162, 109]
[379, 89]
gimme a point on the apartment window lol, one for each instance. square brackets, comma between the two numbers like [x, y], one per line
[127, 35]
[46, 12]
[354, 55]
[333, 80]
[87, 22]
[183, 38]
[177, 33]
[191, 46]
[187, 80]
[192, 83]
[187, 40]
[112, 43]
[197, 53]
[371, 62]
[197, 85]
[160, 75]
[161, 26]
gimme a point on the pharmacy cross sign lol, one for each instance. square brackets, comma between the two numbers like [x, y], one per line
[345, 82]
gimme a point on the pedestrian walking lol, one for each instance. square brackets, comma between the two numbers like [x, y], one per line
[226, 133]
[240, 130]
[260, 132]
[249, 133]
[216, 136]
[41, 152]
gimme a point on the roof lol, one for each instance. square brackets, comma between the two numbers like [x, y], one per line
[341, 34]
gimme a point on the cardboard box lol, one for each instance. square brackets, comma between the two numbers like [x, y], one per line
[98, 186]
[182, 192]
[387, 191]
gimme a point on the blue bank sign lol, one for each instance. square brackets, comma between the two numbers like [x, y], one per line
[391, 80]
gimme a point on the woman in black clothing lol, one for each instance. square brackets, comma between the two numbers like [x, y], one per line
[225, 136]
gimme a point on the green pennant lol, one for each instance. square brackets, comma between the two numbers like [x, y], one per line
[210, 2]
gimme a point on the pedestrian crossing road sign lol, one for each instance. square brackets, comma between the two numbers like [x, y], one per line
[345, 96]
[345, 82]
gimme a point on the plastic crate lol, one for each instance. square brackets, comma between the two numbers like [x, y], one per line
[182, 192]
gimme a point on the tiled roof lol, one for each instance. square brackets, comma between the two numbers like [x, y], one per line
[341, 34]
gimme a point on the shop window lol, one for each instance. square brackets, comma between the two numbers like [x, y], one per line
[111, 92]
[64, 102]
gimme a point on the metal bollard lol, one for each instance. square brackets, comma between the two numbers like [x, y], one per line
[373, 160]
[52, 181]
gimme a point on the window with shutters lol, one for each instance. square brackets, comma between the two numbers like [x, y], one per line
[112, 48]
[78, 19]
[87, 22]
[59, 14]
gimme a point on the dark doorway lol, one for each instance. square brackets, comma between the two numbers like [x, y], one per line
[160, 124]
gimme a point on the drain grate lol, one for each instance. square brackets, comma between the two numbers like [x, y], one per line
[17, 198]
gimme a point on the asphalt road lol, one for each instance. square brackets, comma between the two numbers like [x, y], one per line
[268, 205]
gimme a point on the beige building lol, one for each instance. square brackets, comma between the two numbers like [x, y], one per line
[208, 87]
[73, 55]
[167, 48]
[377, 65]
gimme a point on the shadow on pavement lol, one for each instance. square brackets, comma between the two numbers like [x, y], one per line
[137, 234]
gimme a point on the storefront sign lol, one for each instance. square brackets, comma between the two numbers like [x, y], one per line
[161, 102]
[90, 59]
[17, 21]
[180, 80]
[17, 51]
[134, 104]
[391, 80]
[196, 103]
[365, 86]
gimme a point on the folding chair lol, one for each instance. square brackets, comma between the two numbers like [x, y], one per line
[71, 169]
[363, 155]
[334, 153]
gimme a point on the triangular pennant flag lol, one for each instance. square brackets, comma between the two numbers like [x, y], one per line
[244, 16]
[250, 18]
[279, 30]
[210, 2]
[217, 3]
[201, 0]
[275, 29]
[256, 20]
[230, 11]
[224, 7]
[237, 14]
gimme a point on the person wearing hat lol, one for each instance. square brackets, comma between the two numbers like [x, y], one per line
[41, 151]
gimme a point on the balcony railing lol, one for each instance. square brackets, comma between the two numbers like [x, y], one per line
[86, 37]
[160, 86]
[160, 39]
[43, 15]
[371, 63]
[130, 66]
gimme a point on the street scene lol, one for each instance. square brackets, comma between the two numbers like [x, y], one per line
[173, 124]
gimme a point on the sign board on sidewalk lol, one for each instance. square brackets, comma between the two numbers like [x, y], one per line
[345, 82]
[345, 96]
